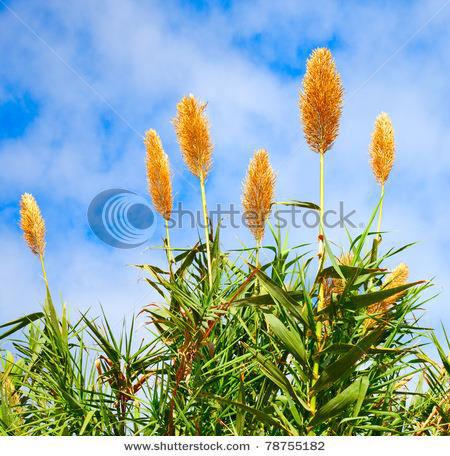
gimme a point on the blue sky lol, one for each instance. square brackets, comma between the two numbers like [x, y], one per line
[81, 81]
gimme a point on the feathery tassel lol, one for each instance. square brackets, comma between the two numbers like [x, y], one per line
[321, 101]
[32, 224]
[192, 129]
[158, 174]
[338, 285]
[258, 193]
[382, 148]
[397, 278]
[382, 155]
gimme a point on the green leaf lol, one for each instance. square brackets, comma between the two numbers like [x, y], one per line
[332, 258]
[342, 401]
[188, 259]
[444, 357]
[281, 296]
[296, 203]
[363, 387]
[52, 318]
[364, 300]
[342, 366]
[344, 348]
[374, 427]
[87, 419]
[20, 323]
[263, 417]
[154, 270]
[290, 339]
[108, 349]
[275, 375]
[271, 371]
[362, 238]
[265, 299]
[348, 271]
[240, 414]
[29, 318]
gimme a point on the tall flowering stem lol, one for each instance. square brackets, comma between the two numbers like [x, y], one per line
[33, 227]
[382, 156]
[192, 129]
[321, 100]
[159, 182]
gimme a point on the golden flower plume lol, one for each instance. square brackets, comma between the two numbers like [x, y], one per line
[382, 148]
[158, 174]
[258, 193]
[192, 129]
[397, 278]
[338, 285]
[321, 101]
[32, 224]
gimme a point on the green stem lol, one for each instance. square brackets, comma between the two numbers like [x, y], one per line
[258, 247]
[49, 308]
[206, 223]
[380, 213]
[322, 209]
[320, 305]
[168, 249]
[44, 273]
[377, 239]
[257, 284]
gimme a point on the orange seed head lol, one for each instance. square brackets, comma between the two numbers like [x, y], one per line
[397, 278]
[258, 193]
[192, 129]
[382, 148]
[158, 174]
[321, 100]
[32, 224]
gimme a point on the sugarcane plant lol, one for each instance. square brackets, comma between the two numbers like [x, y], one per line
[268, 339]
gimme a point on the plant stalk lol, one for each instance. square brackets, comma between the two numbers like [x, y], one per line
[170, 258]
[206, 223]
[44, 273]
[321, 302]
[258, 247]
[380, 213]
[258, 265]
[322, 211]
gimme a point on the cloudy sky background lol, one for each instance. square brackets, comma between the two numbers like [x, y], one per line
[80, 82]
